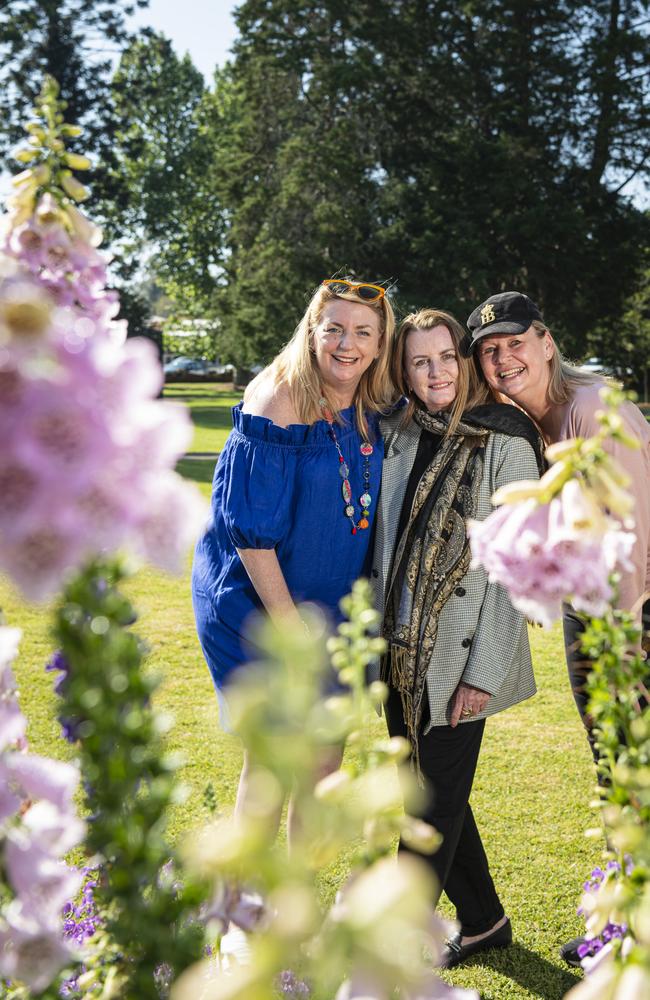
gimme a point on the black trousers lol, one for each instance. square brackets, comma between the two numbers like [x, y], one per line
[448, 759]
[579, 665]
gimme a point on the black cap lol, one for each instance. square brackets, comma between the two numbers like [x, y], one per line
[506, 312]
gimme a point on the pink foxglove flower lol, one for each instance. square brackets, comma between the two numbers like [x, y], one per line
[31, 951]
[52, 830]
[88, 451]
[36, 794]
[547, 553]
[43, 882]
[13, 724]
[41, 778]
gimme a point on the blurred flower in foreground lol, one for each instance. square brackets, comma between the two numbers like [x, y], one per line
[39, 827]
[381, 937]
[607, 979]
[598, 906]
[87, 451]
[559, 539]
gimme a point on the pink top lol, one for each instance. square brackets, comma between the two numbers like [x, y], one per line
[579, 420]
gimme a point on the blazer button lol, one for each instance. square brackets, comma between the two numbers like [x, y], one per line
[460, 592]
[465, 643]
[375, 573]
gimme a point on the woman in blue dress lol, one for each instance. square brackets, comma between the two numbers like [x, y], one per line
[295, 488]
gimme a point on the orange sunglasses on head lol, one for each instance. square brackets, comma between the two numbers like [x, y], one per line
[369, 293]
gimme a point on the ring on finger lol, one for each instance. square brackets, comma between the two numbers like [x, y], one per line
[466, 712]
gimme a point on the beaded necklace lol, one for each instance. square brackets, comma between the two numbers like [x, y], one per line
[366, 450]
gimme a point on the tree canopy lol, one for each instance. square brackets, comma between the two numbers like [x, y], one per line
[74, 41]
[450, 148]
[457, 148]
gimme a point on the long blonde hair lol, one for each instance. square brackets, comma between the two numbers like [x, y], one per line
[296, 365]
[471, 391]
[564, 377]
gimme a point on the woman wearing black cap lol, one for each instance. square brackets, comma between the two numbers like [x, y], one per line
[519, 359]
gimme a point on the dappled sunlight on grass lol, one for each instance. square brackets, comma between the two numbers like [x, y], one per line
[209, 407]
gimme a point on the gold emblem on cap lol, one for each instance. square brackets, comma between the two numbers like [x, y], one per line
[487, 314]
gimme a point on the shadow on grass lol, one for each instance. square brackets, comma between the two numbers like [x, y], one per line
[222, 397]
[199, 470]
[213, 417]
[536, 974]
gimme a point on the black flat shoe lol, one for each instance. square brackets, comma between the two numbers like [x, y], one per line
[569, 952]
[455, 952]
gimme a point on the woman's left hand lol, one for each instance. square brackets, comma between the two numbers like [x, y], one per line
[467, 702]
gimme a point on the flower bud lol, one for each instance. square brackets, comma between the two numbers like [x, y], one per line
[48, 211]
[26, 155]
[523, 489]
[74, 188]
[617, 500]
[77, 161]
[83, 227]
[420, 836]
[563, 449]
[333, 786]
[580, 511]
[616, 471]
[554, 479]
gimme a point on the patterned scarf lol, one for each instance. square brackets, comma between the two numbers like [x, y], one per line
[433, 553]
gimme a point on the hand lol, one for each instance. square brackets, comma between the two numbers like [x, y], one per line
[467, 699]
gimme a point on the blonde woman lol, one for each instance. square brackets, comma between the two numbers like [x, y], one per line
[519, 359]
[296, 485]
[457, 649]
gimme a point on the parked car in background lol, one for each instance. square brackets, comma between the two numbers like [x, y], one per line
[213, 368]
[197, 369]
[185, 366]
[597, 367]
[193, 366]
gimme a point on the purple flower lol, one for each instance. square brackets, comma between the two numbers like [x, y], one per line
[291, 986]
[69, 727]
[163, 976]
[58, 662]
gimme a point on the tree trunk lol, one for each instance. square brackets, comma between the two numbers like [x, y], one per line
[606, 89]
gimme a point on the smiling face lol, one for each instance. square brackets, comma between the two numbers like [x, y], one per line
[431, 367]
[518, 366]
[346, 341]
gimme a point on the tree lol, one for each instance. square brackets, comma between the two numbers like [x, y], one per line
[75, 42]
[462, 148]
[295, 168]
[170, 216]
[625, 345]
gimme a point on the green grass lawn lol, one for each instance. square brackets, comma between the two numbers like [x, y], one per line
[210, 407]
[531, 795]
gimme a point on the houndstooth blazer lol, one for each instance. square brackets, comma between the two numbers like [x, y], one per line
[482, 640]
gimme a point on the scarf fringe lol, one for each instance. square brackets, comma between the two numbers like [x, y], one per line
[398, 672]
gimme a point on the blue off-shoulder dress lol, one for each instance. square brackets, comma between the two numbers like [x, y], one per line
[280, 488]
